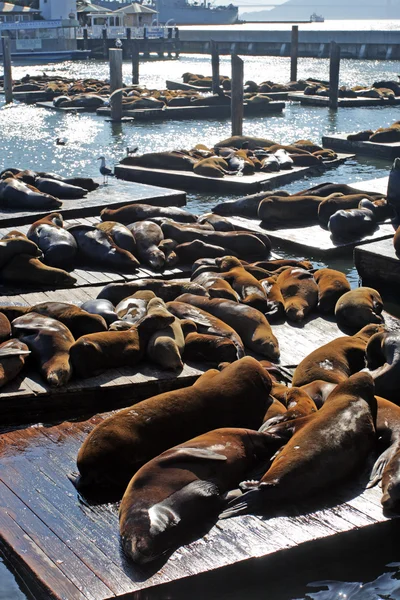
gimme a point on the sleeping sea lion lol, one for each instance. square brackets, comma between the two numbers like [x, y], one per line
[383, 363]
[214, 166]
[218, 223]
[134, 307]
[131, 213]
[121, 235]
[18, 195]
[357, 308]
[299, 291]
[216, 286]
[13, 245]
[249, 323]
[59, 189]
[243, 207]
[337, 360]
[275, 310]
[5, 327]
[148, 235]
[352, 224]
[104, 308]
[117, 447]
[332, 204]
[244, 141]
[250, 291]
[175, 495]
[289, 209]
[50, 342]
[58, 245]
[331, 286]
[24, 270]
[298, 403]
[161, 160]
[200, 347]
[315, 457]
[189, 252]
[78, 321]
[13, 354]
[274, 265]
[166, 345]
[165, 289]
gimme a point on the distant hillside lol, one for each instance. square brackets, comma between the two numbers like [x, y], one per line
[300, 10]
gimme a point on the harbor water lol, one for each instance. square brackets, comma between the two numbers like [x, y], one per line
[28, 140]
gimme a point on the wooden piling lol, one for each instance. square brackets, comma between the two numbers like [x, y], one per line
[116, 83]
[294, 52]
[237, 95]
[105, 42]
[215, 67]
[135, 61]
[85, 39]
[334, 67]
[7, 70]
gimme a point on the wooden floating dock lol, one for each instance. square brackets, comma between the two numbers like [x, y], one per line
[343, 102]
[229, 184]
[179, 85]
[378, 264]
[340, 143]
[65, 109]
[111, 195]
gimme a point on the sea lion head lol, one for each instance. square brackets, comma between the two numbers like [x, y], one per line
[226, 263]
[391, 486]
[369, 330]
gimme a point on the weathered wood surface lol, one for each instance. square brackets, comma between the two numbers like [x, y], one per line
[229, 184]
[378, 264]
[342, 102]
[113, 194]
[65, 109]
[339, 142]
[65, 548]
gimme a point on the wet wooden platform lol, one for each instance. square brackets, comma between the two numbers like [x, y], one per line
[64, 109]
[378, 264]
[343, 102]
[340, 143]
[113, 194]
[179, 85]
[229, 184]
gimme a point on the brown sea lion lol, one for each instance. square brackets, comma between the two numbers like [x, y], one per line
[189, 252]
[166, 345]
[58, 245]
[50, 342]
[275, 409]
[59, 189]
[337, 360]
[24, 270]
[130, 213]
[319, 391]
[383, 363]
[244, 141]
[200, 347]
[215, 166]
[332, 285]
[249, 289]
[243, 207]
[14, 245]
[218, 222]
[216, 286]
[357, 308]
[148, 235]
[299, 291]
[18, 196]
[289, 209]
[275, 264]
[161, 160]
[299, 404]
[167, 290]
[97, 352]
[175, 495]
[249, 323]
[314, 456]
[120, 235]
[327, 189]
[13, 354]
[360, 136]
[330, 205]
[122, 443]
[396, 241]
[207, 324]
[5, 327]
[275, 302]
[133, 308]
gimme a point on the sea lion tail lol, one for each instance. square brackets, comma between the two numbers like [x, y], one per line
[244, 504]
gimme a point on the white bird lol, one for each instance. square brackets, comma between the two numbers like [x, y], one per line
[105, 171]
[131, 151]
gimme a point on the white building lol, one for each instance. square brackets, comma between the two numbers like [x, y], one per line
[58, 9]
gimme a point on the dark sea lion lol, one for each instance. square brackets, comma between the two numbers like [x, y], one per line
[327, 189]
[396, 241]
[275, 409]
[218, 223]
[383, 363]
[78, 321]
[173, 497]
[148, 235]
[240, 141]
[161, 160]
[299, 291]
[216, 286]
[250, 291]
[17, 195]
[330, 205]
[50, 342]
[189, 252]
[5, 327]
[337, 360]
[249, 323]
[243, 207]
[352, 224]
[314, 456]
[87, 183]
[167, 290]
[11, 246]
[332, 285]
[206, 323]
[357, 308]
[59, 189]
[273, 265]
[121, 235]
[27, 176]
[166, 345]
[24, 270]
[58, 245]
[97, 352]
[131, 213]
[200, 347]
[289, 209]
[98, 249]
[117, 447]
[360, 136]
[13, 354]
[104, 308]
[381, 209]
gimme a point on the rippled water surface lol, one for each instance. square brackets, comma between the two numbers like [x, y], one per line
[28, 135]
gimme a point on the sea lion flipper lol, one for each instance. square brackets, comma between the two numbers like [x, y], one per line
[4, 352]
[241, 505]
[192, 454]
[379, 466]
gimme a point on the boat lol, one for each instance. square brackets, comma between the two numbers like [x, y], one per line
[314, 18]
[183, 12]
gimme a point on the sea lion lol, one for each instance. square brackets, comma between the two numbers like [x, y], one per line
[381, 209]
[249, 323]
[352, 224]
[289, 209]
[337, 360]
[319, 391]
[97, 248]
[207, 323]
[327, 189]
[200, 347]
[130, 213]
[5, 327]
[24, 270]
[58, 245]
[299, 404]
[175, 495]
[50, 342]
[87, 183]
[189, 252]
[396, 241]
[330, 205]
[243, 207]
[122, 443]
[134, 307]
[299, 291]
[383, 358]
[97, 352]
[161, 160]
[332, 285]
[218, 222]
[216, 286]
[120, 235]
[357, 308]
[314, 455]
[165, 289]
[244, 141]
[165, 346]
[275, 309]
[275, 264]
[275, 409]
[11, 246]
[148, 235]
[59, 189]
[214, 166]
[360, 136]
[18, 195]
[13, 354]
[250, 291]
[104, 308]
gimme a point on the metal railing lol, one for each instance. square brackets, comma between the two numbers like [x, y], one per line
[96, 32]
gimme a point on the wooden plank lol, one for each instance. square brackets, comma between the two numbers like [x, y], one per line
[343, 102]
[229, 184]
[64, 109]
[340, 143]
[378, 264]
[113, 194]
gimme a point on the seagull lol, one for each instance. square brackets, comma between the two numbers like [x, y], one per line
[105, 171]
[131, 151]
[60, 141]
